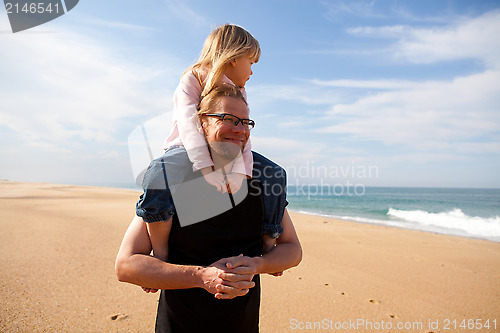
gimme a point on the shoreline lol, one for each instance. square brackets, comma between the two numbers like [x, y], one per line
[384, 225]
[59, 243]
[353, 219]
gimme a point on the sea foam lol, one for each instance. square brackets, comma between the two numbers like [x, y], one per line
[454, 220]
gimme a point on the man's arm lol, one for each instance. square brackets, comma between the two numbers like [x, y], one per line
[135, 265]
[158, 235]
[286, 254]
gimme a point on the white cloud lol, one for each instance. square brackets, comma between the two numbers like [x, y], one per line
[287, 151]
[386, 31]
[475, 38]
[368, 84]
[260, 95]
[432, 115]
[279, 146]
[457, 116]
[61, 86]
[474, 147]
[424, 158]
[470, 38]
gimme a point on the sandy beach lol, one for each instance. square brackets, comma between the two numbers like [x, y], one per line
[58, 245]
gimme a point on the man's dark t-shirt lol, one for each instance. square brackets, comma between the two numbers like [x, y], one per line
[234, 232]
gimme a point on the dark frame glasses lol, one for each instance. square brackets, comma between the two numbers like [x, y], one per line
[232, 120]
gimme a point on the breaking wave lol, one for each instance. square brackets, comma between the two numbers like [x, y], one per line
[454, 220]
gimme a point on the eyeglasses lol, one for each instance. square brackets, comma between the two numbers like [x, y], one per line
[229, 119]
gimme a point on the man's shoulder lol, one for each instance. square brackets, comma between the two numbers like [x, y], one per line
[173, 157]
[173, 165]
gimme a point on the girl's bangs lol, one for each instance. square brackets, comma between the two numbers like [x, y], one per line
[254, 51]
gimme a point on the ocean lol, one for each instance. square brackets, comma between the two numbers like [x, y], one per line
[471, 213]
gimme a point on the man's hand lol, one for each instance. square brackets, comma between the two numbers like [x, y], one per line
[243, 265]
[219, 280]
[247, 265]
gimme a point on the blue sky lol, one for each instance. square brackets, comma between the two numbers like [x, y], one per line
[379, 93]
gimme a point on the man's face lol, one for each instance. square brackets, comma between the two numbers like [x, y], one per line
[226, 140]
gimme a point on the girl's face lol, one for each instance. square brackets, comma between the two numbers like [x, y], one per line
[239, 70]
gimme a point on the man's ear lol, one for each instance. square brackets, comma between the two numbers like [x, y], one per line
[233, 62]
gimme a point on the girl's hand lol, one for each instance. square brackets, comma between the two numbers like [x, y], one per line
[149, 290]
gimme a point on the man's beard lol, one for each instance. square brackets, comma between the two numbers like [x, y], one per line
[226, 150]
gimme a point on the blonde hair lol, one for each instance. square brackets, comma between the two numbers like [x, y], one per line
[224, 44]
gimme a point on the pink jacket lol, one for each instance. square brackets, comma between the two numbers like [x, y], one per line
[186, 129]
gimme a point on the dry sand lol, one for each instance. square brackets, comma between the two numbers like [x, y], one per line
[58, 245]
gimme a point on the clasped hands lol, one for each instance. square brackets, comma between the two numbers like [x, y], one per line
[227, 278]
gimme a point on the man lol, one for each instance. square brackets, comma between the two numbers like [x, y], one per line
[210, 280]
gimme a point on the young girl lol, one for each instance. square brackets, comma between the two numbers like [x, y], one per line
[227, 57]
